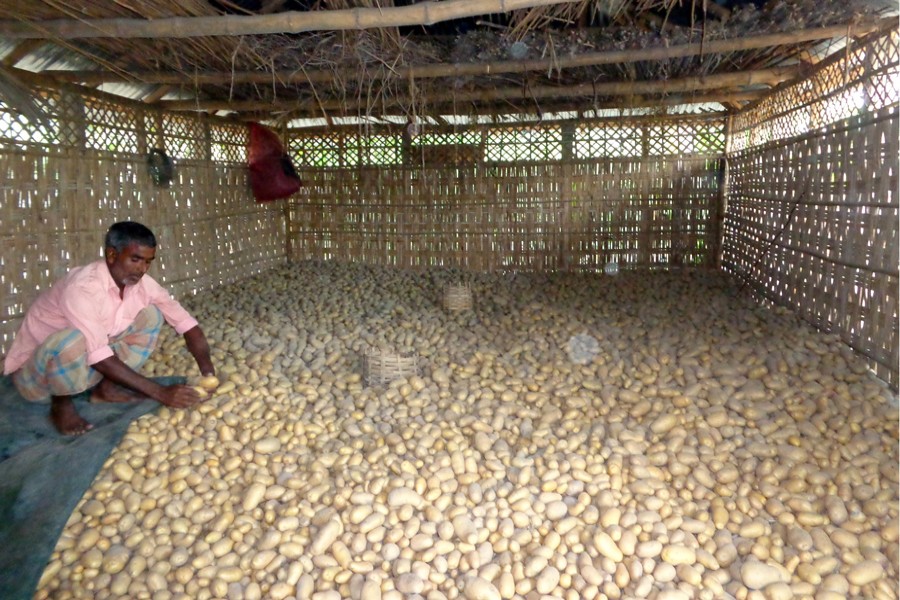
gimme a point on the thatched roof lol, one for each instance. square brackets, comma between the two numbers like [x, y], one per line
[284, 59]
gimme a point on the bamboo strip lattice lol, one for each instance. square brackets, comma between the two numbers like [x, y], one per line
[62, 188]
[813, 208]
[383, 367]
[457, 297]
[544, 199]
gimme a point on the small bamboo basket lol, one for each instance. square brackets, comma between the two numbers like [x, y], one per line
[383, 367]
[457, 297]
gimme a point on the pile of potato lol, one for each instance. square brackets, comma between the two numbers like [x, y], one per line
[711, 448]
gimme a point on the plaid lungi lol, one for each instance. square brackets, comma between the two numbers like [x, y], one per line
[59, 366]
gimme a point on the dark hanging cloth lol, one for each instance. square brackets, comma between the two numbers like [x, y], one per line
[272, 176]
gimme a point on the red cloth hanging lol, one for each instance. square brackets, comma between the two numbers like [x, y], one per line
[272, 176]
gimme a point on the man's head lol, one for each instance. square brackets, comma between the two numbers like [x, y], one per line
[130, 249]
[123, 233]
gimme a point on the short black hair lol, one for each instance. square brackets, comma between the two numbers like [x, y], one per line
[123, 233]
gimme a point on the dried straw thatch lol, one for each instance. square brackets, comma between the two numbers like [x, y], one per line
[337, 58]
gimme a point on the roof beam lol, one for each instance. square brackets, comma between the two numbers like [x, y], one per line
[424, 13]
[763, 77]
[737, 98]
[584, 119]
[156, 94]
[475, 69]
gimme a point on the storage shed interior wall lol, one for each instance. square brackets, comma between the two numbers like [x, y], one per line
[549, 197]
[63, 184]
[812, 217]
[807, 196]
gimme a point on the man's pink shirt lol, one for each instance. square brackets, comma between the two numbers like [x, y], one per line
[87, 299]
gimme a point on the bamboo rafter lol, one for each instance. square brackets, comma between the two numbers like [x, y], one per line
[485, 68]
[425, 13]
[374, 68]
[764, 77]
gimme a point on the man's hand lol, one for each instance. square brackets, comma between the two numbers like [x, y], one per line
[179, 396]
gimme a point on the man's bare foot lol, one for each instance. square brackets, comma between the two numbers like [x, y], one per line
[107, 391]
[65, 418]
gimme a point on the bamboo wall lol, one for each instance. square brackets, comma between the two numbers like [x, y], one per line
[812, 216]
[62, 184]
[642, 194]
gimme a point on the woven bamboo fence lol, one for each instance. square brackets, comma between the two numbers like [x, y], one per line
[61, 189]
[644, 194]
[812, 209]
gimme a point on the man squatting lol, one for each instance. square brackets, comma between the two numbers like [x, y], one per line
[96, 327]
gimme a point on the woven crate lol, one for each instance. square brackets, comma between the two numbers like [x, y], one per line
[457, 298]
[383, 367]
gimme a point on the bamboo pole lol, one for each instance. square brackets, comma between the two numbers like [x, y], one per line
[475, 69]
[156, 94]
[763, 77]
[425, 13]
[585, 119]
[39, 80]
[505, 107]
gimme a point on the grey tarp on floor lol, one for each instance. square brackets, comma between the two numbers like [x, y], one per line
[43, 475]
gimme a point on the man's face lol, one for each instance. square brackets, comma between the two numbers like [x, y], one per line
[128, 266]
